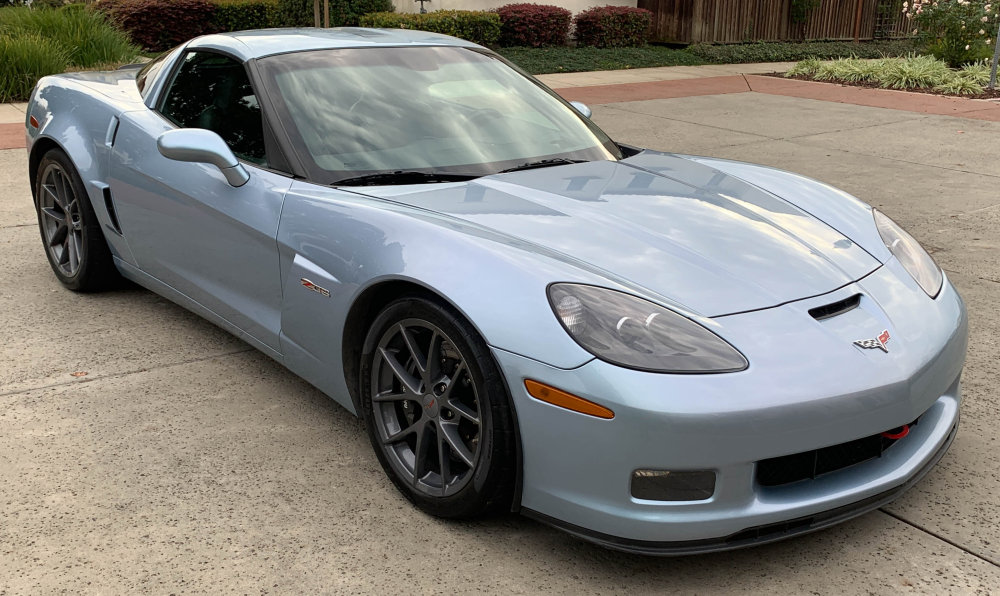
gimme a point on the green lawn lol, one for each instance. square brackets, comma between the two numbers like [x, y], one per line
[570, 59]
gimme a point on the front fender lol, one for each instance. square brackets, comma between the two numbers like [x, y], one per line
[344, 243]
[81, 122]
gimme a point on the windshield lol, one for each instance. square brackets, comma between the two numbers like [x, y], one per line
[445, 110]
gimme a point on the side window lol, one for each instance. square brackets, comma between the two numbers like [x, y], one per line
[213, 92]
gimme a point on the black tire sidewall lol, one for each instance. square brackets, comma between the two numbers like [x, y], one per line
[490, 488]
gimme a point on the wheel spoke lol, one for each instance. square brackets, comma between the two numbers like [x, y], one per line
[444, 463]
[50, 189]
[456, 375]
[390, 395]
[419, 359]
[64, 192]
[455, 443]
[464, 411]
[411, 383]
[406, 432]
[74, 252]
[54, 215]
[420, 454]
[59, 236]
[433, 368]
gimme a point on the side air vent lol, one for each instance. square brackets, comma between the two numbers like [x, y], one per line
[836, 308]
[110, 206]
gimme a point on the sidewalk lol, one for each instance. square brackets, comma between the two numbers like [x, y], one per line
[662, 73]
[12, 125]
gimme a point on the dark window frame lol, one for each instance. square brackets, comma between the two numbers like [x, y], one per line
[276, 160]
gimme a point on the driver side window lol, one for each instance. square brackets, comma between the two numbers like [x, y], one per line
[213, 92]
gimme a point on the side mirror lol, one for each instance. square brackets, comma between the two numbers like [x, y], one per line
[581, 107]
[202, 146]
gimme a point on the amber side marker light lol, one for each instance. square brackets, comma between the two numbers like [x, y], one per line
[558, 397]
[33, 121]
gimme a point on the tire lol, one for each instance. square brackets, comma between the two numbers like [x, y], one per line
[71, 233]
[453, 409]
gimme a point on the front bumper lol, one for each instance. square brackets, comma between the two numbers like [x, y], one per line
[807, 388]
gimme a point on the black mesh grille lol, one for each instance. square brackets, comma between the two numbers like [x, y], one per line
[810, 464]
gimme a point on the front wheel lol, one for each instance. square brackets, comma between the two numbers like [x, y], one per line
[437, 410]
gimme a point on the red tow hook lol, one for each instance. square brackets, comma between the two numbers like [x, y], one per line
[897, 433]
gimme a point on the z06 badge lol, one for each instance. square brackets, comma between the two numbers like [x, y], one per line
[318, 289]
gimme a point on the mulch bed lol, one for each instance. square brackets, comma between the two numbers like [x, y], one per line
[986, 94]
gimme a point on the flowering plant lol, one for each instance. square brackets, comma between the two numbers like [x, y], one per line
[956, 31]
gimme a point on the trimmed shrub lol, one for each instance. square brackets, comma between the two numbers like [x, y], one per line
[159, 25]
[239, 15]
[343, 13]
[613, 27]
[534, 25]
[295, 13]
[570, 59]
[349, 12]
[85, 37]
[791, 52]
[476, 26]
[25, 58]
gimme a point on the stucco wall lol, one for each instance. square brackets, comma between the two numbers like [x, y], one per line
[573, 5]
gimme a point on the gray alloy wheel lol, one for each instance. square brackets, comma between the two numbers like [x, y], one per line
[71, 233]
[426, 407]
[437, 410]
[62, 226]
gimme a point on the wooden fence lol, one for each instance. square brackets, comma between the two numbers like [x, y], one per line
[734, 21]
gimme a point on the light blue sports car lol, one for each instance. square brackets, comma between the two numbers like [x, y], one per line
[660, 353]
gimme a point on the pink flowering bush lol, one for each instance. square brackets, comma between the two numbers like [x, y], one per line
[956, 31]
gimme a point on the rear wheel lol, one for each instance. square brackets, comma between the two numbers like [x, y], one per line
[74, 243]
[437, 410]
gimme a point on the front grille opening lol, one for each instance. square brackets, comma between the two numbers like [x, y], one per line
[835, 308]
[809, 465]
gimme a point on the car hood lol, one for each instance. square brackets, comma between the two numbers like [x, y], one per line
[687, 232]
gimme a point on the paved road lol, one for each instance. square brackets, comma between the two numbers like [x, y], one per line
[185, 461]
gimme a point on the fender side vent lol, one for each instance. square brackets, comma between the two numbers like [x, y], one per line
[836, 308]
[110, 206]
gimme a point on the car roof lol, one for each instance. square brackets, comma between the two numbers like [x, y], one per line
[247, 45]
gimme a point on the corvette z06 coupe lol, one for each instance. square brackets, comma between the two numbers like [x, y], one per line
[660, 353]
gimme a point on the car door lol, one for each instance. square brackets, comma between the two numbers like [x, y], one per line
[187, 227]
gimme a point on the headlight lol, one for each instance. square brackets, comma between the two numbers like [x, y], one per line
[910, 254]
[635, 333]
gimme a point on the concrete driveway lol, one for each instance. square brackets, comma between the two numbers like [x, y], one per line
[184, 461]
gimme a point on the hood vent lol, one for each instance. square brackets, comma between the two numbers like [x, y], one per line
[835, 308]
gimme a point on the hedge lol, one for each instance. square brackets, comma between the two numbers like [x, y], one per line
[534, 25]
[477, 26]
[793, 52]
[240, 15]
[299, 13]
[613, 27]
[159, 25]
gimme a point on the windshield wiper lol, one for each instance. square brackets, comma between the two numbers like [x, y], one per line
[402, 177]
[542, 163]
